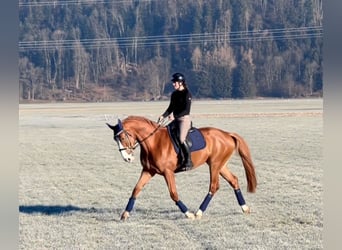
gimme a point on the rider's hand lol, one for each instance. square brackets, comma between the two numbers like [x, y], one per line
[160, 119]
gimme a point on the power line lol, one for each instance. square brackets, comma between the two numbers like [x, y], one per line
[191, 35]
[77, 2]
[196, 38]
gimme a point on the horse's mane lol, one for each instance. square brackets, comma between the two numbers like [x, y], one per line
[142, 119]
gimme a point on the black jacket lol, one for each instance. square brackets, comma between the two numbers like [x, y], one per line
[180, 103]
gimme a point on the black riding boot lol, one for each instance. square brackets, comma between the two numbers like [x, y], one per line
[187, 163]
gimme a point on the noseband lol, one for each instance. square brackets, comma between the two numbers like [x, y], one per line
[137, 142]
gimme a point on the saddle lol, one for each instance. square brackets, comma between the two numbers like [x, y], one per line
[194, 138]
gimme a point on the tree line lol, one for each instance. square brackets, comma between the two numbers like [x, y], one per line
[127, 50]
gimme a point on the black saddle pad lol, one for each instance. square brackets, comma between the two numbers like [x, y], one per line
[194, 138]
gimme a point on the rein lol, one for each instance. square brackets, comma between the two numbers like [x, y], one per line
[152, 133]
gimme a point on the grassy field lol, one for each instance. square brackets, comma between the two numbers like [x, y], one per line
[73, 183]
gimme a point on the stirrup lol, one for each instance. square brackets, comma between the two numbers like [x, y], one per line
[184, 167]
[188, 166]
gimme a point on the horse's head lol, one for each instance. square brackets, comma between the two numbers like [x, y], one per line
[126, 142]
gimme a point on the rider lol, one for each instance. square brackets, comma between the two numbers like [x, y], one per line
[179, 107]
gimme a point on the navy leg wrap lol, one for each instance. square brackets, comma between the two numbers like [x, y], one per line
[205, 202]
[130, 204]
[239, 197]
[181, 206]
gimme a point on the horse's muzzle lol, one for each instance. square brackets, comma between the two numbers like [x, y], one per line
[129, 159]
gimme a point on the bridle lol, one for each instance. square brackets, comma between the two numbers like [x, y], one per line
[127, 135]
[137, 141]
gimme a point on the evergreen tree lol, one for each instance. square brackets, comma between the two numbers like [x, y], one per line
[243, 84]
[220, 81]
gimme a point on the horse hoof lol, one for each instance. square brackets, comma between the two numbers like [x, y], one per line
[199, 214]
[124, 215]
[246, 209]
[190, 215]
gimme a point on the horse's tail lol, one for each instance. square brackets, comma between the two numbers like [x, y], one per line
[246, 158]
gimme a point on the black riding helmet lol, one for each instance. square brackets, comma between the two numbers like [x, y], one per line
[178, 77]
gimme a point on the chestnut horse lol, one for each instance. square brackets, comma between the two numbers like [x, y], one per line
[158, 156]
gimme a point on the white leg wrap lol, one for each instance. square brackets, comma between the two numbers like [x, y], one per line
[245, 209]
[199, 214]
[189, 215]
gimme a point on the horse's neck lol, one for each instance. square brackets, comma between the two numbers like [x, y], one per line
[142, 128]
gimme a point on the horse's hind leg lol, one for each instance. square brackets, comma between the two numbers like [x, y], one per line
[233, 181]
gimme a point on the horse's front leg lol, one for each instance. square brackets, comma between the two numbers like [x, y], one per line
[169, 177]
[143, 180]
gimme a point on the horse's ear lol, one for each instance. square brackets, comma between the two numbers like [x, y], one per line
[119, 123]
[110, 126]
[118, 128]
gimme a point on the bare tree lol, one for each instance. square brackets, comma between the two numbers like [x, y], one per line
[81, 65]
[196, 58]
[156, 73]
[58, 36]
[30, 80]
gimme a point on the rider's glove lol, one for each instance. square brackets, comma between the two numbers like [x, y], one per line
[160, 119]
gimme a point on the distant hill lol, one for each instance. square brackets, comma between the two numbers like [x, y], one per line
[127, 50]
